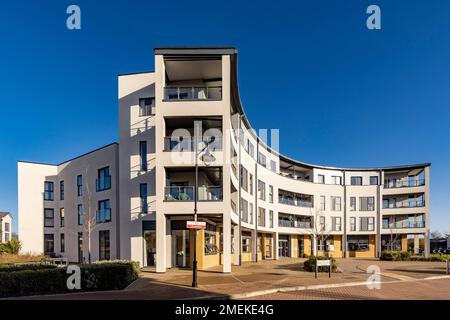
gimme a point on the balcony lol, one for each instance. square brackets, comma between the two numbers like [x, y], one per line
[403, 225]
[291, 221]
[174, 93]
[187, 193]
[295, 199]
[186, 144]
[103, 183]
[393, 184]
[404, 204]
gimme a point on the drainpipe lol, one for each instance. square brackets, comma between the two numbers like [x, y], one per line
[239, 193]
[379, 221]
[256, 201]
[344, 237]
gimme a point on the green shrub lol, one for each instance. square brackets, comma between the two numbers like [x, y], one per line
[11, 247]
[26, 266]
[395, 256]
[116, 275]
[310, 264]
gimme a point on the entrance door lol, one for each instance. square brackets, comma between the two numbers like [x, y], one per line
[301, 247]
[283, 246]
[150, 248]
[180, 248]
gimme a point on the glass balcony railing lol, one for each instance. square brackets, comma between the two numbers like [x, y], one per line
[391, 184]
[186, 144]
[186, 193]
[192, 93]
[404, 204]
[295, 202]
[294, 224]
[103, 183]
[403, 225]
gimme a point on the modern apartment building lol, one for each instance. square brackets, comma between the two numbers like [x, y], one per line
[5, 227]
[257, 203]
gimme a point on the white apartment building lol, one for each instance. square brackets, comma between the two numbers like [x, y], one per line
[5, 227]
[257, 203]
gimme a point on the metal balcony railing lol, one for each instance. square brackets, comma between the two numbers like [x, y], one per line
[192, 93]
[295, 202]
[186, 193]
[405, 204]
[294, 224]
[391, 184]
[186, 144]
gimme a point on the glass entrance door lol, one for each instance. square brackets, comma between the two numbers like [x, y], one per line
[150, 248]
[283, 248]
[180, 248]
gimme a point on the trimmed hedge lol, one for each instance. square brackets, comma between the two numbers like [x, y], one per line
[26, 266]
[433, 258]
[310, 264]
[94, 277]
[395, 256]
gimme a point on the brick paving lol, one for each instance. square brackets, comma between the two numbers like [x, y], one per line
[250, 277]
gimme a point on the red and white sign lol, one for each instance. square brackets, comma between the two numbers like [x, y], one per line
[196, 225]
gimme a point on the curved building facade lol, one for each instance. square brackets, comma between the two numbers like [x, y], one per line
[256, 203]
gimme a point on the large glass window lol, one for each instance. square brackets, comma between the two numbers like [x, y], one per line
[143, 195]
[80, 214]
[243, 178]
[336, 180]
[80, 247]
[336, 223]
[352, 203]
[261, 217]
[261, 190]
[80, 185]
[104, 243]
[61, 190]
[250, 181]
[352, 224]
[322, 203]
[250, 213]
[49, 244]
[104, 211]
[270, 218]
[62, 243]
[356, 181]
[244, 210]
[262, 159]
[367, 204]
[367, 223]
[246, 242]
[273, 166]
[61, 217]
[49, 218]
[358, 243]
[336, 203]
[374, 180]
[49, 191]
[321, 179]
[104, 179]
[271, 194]
[146, 107]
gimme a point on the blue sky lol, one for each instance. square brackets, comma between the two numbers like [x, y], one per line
[340, 94]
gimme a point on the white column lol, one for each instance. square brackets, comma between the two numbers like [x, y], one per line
[275, 245]
[314, 244]
[226, 243]
[416, 244]
[160, 243]
[236, 246]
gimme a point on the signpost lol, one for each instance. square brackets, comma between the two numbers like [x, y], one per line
[196, 225]
[323, 263]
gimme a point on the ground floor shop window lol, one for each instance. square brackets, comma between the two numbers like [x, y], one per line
[358, 243]
[246, 242]
[210, 240]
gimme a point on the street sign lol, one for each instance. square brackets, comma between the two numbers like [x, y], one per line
[196, 225]
[323, 263]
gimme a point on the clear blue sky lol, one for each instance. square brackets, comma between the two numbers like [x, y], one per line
[340, 94]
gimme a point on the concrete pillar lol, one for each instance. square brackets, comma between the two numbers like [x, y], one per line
[236, 245]
[427, 244]
[275, 245]
[314, 244]
[226, 243]
[161, 243]
[416, 244]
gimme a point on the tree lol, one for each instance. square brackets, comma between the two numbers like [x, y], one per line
[318, 231]
[436, 235]
[89, 220]
[11, 247]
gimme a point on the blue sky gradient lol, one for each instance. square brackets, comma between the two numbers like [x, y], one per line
[340, 94]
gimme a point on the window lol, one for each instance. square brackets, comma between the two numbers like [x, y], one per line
[250, 213]
[7, 232]
[104, 252]
[358, 243]
[61, 217]
[336, 180]
[411, 181]
[261, 190]
[367, 204]
[244, 210]
[80, 247]
[261, 217]
[80, 214]
[246, 242]
[322, 203]
[336, 223]
[352, 203]
[356, 181]
[143, 195]
[143, 155]
[49, 244]
[251, 149]
[104, 211]
[104, 179]
[49, 218]
[48, 191]
[243, 178]
[367, 224]
[261, 159]
[273, 166]
[271, 219]
[80, 185]
[320, 245]
[374, 180]
[271, 194]
[322, 223]
[146, 107]
[62, 243]
[336, 203]
[61, 190]
[250, 181]
[321, 179]
[352, 224]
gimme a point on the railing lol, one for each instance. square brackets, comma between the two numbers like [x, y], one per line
[103, 215]
[404, 225]
[405, 204]
[103, 183]
[181, 144]
[192, 93]
[391, 184]
[295, 202]
[186, 193]
[294, 224]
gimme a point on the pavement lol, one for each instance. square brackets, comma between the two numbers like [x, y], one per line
[280, 279]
